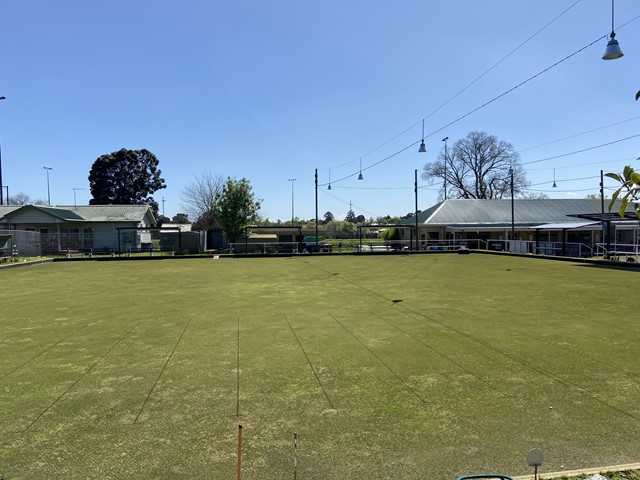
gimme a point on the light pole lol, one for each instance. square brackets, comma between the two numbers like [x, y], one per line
[163, 206]
[415, 190]
[445, 165]
[48, 169]
[513, 228]
[292, 214]
[1, 197]
[75, 204]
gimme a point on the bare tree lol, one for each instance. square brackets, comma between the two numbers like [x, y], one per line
[198, 197]
[19, 198]
[22, 198]
[478, 166]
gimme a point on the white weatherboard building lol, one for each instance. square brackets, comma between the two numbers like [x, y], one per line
[83, 228]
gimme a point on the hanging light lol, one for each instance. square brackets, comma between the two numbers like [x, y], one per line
[613, 50]
[554, 179]
[329, 187]
[423, 148]
[360, 177]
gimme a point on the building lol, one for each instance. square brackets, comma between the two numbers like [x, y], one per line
[537, 223]
[96, 228]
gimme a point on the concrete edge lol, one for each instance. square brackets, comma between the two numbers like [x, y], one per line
[588, 471]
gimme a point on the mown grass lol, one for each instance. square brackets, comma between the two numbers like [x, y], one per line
[404, 367]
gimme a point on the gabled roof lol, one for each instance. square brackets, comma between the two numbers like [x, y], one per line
[493, 212]
[84, 213]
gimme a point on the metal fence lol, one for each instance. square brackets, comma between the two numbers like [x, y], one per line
[566, 249]
[20, 243]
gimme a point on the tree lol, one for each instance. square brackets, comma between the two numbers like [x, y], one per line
[236, 207]
[125, 177]
[350, 217]
[22, 198]
[478, 166]
[533, 195]
[180, 218]
[594, 196]
[629, 190]
[198, 197]
[328, 217]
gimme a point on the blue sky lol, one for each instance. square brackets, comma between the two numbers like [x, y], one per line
[273, 90]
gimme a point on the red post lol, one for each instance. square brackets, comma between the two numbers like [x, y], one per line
[239, 451]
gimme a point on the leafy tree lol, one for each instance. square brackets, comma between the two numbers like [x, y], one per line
[161, 220]
[198, 198]
[350, 217]
[478, 167]
[236, 207]
[125, 177]
[180, 218]
[629, 190]
[328, 217]
[391, 234]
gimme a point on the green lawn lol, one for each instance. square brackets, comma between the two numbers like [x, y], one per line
[388, 367]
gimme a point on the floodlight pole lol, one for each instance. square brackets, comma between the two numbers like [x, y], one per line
[292, 211]
[415, 188]
[1, 197]
[513, 227]
[48, 169]
[316, 209]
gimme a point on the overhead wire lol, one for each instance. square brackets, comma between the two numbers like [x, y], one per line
[578, 134]
[413, 144]
[489, 103]
[475, 80]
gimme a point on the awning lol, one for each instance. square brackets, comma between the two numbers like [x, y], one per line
[567, 225]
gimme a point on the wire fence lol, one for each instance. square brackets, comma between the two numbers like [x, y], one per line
[20, 243]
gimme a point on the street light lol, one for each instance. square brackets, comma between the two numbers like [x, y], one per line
[292, 215]
[1, 198]
[613, 50]
[360, 177]
[423, 148]
[163, 206]
[48, 189]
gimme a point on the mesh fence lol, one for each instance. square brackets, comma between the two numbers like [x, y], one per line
[20, 243]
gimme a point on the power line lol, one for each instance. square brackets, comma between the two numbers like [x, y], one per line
[577, 134]
[479, 108]
[466, 87]
[581, 151]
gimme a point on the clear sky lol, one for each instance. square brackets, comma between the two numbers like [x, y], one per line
[272, 90]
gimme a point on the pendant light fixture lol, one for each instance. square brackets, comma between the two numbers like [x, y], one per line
[360, 177]
[329, 187]
[423, 148]
[554, 179]
[613, 50]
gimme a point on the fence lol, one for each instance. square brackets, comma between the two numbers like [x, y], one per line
[20, 243]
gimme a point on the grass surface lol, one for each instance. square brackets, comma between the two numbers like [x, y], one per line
[404, 367]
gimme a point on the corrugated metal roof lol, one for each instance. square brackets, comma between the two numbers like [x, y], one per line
[498, 212]
[89, 213]
[111, 213]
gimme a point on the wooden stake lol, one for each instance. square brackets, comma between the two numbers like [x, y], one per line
[295, 455]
